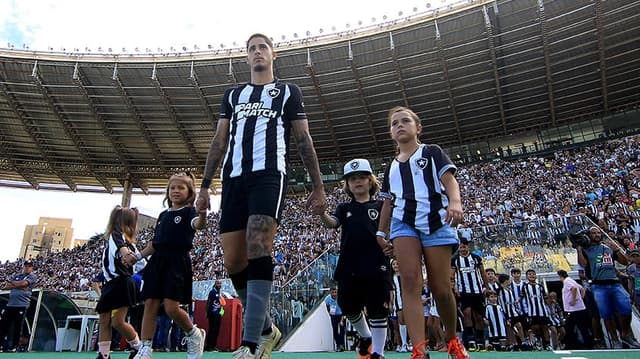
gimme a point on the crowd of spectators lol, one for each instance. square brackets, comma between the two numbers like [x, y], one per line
[506, 203]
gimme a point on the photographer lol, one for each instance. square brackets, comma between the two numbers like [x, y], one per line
[598, 258]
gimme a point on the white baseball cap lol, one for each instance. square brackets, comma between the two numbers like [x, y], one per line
[355, 166]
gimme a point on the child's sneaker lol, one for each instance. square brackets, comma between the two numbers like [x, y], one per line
[364, 348]
[195, 343]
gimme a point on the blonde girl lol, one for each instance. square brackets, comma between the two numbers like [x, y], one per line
[168, 276]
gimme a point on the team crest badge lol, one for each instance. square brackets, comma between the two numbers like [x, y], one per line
[421, 162]
[274, 92]
[373, 214]
[354, 165]
[349, 214]
[178, 219]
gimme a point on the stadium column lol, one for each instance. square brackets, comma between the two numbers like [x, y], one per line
[126, 193]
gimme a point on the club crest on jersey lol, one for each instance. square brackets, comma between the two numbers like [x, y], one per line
[349, 214]
[422, 162]
[274, 92]
[373, 214]
[177, 219]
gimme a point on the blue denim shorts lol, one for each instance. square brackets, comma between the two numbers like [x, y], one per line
[611, 298]
[444, 236]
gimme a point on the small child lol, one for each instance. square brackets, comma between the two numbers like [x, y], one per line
[119, 291]
[363, 272]
[511, 308]
[168, 276]
[494, 318]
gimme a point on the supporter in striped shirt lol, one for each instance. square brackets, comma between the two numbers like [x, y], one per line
[496, 321]
[533, 294]
[425, 195]
[511, 307]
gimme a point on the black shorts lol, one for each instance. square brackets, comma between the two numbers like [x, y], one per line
[355, 294]
[539, 321]
[259, 192]
[168, 275]
[117, 293]
[473, 301]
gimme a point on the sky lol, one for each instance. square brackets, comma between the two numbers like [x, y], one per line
[119, 24]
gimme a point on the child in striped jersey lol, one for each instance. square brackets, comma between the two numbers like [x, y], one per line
[511, 307]
[421, 206]
[119, 291]
[495, 319]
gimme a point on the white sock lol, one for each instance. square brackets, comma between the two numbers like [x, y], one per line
[378, 334]
[403, 334]
[135, 342]
[360, 325]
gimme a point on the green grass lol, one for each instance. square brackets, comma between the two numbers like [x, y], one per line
[600, 354]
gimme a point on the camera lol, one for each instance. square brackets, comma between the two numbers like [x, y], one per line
[580, 239]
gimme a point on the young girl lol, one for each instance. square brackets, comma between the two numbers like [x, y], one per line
[363, 272]
[168, 276]
[119, 291]
[425, 195]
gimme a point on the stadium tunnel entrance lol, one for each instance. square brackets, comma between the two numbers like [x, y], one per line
[47, 312]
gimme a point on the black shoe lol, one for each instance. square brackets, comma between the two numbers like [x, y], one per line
[100, 356]
[377, 356]
[132, 353]
[364, 347]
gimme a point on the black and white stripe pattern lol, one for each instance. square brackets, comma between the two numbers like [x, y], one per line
[112, 266]
[516, 289]
[260, 123]
[419, 197]
[508, 302]
[468, 278]
[533, 295]
[497, 321]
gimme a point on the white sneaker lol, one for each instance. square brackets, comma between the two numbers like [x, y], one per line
[267, 342]
[243, 353]
[144, 352]
[195, 343]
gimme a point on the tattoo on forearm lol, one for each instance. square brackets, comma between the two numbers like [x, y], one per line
[309, 158]
[216, 151]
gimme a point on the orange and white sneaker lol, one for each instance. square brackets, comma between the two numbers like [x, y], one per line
[456, 349]
[421, 350]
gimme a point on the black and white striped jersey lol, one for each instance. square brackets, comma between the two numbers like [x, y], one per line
[497, 321]
[260, 126]
[420, 200]
[516, 289]
[533, 294]
[112, 266]
[509, 303]
[467, 269]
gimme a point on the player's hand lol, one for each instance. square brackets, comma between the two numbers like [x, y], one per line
[202, 203]
[317, 201]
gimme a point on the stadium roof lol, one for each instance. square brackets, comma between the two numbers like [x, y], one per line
[478, 72]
